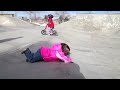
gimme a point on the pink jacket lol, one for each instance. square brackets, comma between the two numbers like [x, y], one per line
[54, 54]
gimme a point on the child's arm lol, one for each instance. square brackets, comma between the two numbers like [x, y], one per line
[64, 58]
[56, 46]
[46, 26]
[49, 21]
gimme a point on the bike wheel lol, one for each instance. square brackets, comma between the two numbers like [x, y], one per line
[55, 33]
[43, 32]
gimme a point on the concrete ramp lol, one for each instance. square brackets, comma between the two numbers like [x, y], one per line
[95, 44]
[94, 41]
[94, 22]
[13, 21]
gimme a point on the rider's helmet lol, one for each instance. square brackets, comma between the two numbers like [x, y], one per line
[50, 15]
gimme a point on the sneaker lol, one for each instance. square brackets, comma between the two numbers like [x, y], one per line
[27, 60]
[49, 34]
[23, 52]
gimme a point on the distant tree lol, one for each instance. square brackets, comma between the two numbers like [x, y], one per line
[89, 12]
[66, 19]
[62, 17]
[60, 20]
[1, 12]
[34, 14]
[30, 15]
[16, 13]
[4, 12]
[58, 13]
[45, 18]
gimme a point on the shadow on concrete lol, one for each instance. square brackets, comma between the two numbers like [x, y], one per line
[67, 71]
[40, 70]
[9, 39]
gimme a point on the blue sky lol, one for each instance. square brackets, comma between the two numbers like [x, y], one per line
[78, 12]
[22, 13]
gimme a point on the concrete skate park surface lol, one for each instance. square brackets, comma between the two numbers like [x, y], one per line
[94, 42]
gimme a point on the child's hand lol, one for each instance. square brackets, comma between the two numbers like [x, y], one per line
[66, 62]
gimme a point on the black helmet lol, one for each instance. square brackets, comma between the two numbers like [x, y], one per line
[50, 15]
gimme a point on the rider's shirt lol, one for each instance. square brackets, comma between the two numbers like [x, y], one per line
[51, 25]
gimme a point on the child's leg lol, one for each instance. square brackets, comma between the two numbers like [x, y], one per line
[51, 30]
[33, 57]
[37, 57]
[29, 55]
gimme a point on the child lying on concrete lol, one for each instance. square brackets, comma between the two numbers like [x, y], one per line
[59, 52]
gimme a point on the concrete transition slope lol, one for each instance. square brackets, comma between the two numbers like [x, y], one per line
[95, 43]
[94, 22]
[12, 21]
[94, 40]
